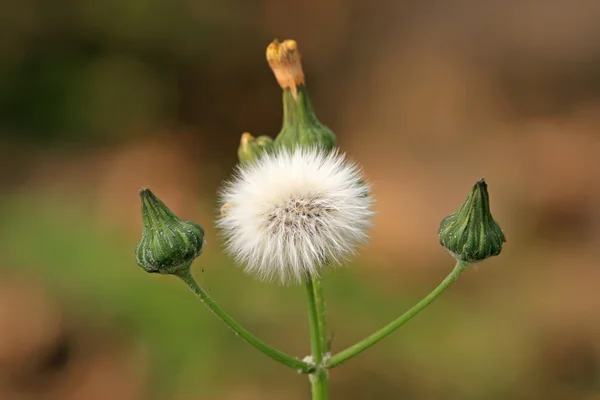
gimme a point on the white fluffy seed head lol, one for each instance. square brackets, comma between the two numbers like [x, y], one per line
[292, 213]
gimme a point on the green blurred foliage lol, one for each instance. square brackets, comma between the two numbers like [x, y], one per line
[90, 71]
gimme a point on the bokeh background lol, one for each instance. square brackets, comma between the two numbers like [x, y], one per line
[101, 98]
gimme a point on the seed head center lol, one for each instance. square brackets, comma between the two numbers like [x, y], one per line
[300, 212]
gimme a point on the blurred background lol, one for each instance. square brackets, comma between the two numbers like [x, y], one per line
[101, 98]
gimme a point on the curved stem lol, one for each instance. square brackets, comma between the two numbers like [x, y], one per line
[239, 330]
[392, 326]
[316, 319]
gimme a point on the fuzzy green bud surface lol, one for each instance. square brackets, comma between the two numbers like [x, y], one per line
[168, 244]
[471, 234]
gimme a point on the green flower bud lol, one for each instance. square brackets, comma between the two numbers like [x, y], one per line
[251, 148]
[471, 234]
[168, 244]
[300, 124]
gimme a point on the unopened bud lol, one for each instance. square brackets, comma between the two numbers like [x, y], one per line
[168, 244]
[471, 234]
[252, 148]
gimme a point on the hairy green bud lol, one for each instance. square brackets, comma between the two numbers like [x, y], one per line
[168, 244]
[471, 234]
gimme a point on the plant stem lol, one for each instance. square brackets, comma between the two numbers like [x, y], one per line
[392, 326]
[318, 342]
[239, 330]
[317, 284]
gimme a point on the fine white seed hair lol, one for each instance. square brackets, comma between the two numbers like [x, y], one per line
[290, 214]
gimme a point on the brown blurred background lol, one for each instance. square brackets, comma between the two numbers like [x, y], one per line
[101, 98]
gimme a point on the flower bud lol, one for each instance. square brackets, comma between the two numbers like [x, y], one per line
[168, 244]
[251, 148]
[471, 234]
[300, 124]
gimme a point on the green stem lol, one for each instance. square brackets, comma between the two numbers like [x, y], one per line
[320, 307]
[239, 330]
[392, 326]
[316, 319]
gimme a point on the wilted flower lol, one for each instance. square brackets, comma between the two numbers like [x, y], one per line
[300, 127]
[293, 212]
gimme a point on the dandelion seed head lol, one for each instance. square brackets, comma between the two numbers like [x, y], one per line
[292, 213]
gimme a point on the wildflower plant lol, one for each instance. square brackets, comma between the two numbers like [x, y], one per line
[295, 207]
